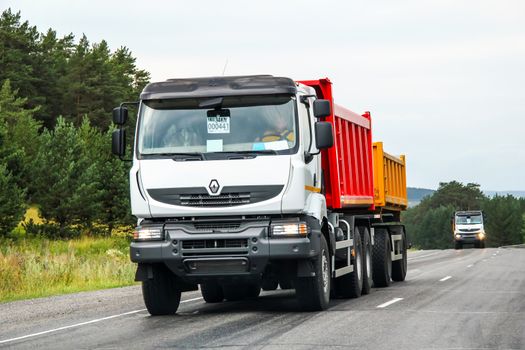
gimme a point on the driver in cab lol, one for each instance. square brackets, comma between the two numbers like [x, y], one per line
[278, 129]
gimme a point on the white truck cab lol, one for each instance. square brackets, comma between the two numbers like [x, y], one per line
[468, 228]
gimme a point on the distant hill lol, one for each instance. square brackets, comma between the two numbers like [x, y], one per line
[415, 195]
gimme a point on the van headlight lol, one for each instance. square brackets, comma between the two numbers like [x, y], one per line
[148, 234]
[289, 229]
[481, 235]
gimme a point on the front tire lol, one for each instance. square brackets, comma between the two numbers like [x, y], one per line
[161, 295]
[458, 245]
[313, 293]
[212, 292]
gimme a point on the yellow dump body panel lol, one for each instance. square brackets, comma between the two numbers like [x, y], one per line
[390, 182]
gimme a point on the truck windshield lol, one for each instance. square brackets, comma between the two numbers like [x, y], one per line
[248, 124]
[468, 219]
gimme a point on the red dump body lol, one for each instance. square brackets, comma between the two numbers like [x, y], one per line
[347, 167]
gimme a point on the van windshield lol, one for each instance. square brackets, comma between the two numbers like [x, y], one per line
[255, 124]
[468, 219]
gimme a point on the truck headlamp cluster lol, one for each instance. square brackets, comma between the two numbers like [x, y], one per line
[148, 234]
[481, 235]
[290, 229]
[458, 236]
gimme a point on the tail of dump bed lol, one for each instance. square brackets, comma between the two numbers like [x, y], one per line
[390, 185]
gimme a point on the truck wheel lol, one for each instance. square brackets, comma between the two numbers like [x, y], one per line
[381, 258]
[269, 284]
[161, 295]
[253, 290]
[212, 292]
[367, 262]
[458, 245]
[482, 244]
[399, 267]
[351, 284]
[313, 293]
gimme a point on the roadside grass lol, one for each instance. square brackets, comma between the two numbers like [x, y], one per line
[38, 267]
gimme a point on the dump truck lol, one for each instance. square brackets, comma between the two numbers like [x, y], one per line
[245, 183]
[468, 228]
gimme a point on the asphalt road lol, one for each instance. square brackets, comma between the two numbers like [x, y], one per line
[468, 299]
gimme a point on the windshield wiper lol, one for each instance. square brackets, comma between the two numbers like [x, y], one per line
[180, 156]
[246, 154]
[262, 151]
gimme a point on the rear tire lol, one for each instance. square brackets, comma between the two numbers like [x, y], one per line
[381, 258]
[351, 284]
[399, 267]
[161, 295]
[367, 262]
[313, 293]
[212, 292]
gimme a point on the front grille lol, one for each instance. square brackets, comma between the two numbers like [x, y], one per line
[230, 195]
[222, 200]
[469, 229]
[214, 243]
[217, 226]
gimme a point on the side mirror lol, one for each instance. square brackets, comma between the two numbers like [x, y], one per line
[324, 136]
[118, 142]
[120, 115]
[322, 108]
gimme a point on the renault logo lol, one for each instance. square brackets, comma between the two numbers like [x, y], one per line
[214, 186]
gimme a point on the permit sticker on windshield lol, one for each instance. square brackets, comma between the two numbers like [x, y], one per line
[218, 124]
[213, 145]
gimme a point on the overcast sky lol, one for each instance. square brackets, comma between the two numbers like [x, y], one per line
[444, 80]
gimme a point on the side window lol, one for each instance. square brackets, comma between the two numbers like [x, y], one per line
[305, 125]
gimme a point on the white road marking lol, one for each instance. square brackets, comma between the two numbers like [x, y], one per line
[470, 265]
[395, 300]
[83, 323]
[445, 278]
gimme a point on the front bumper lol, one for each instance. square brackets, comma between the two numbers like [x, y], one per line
[243, 251]
[469, 238]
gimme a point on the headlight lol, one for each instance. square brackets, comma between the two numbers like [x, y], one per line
[458, 236]
[147, 233]
[290, 229]
[481, 235]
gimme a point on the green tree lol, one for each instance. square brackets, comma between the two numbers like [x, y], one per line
[12, 204]
[64, 193]
[21, 143]
[432, 229]
[504, 221]
[18, 43]
[108, 177]
[462, 197]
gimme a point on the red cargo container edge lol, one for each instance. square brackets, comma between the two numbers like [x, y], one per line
[347, 167]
